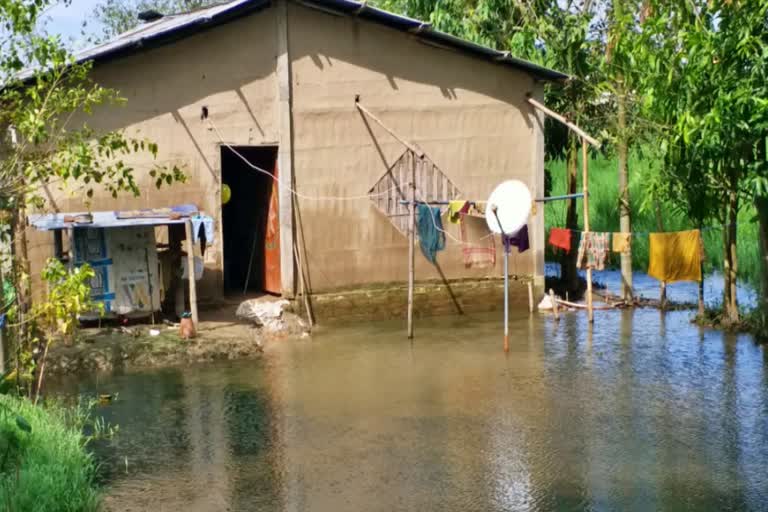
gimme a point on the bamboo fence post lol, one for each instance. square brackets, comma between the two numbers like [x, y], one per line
[191, 272]
[585, 186]
[411, 244]
[530, 296]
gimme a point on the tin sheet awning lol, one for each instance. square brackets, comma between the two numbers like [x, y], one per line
[114, 219]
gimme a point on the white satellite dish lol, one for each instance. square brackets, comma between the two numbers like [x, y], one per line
[512, 202]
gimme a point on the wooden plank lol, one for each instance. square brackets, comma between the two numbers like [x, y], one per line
[191, 272]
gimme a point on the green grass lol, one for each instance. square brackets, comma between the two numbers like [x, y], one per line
[604, 216]
[47, 469]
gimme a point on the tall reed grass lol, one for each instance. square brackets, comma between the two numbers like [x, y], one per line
[45, 469]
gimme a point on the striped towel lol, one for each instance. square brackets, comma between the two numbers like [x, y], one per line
[478, 248]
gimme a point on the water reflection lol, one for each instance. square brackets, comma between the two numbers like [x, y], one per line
[636, 412]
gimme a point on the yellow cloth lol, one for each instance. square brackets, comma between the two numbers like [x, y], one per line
[454, 208]
[620, 242]
[675, 256]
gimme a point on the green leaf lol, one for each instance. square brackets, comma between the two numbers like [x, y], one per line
[23, 424]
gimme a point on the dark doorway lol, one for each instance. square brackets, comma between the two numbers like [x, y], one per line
[245, 215]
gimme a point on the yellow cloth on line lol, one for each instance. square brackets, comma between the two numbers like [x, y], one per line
[621, 242]
[675, 256]
[454, 210]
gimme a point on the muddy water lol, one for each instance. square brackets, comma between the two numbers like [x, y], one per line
[643, 413]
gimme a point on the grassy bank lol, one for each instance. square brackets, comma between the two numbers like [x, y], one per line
[604, 216]
[45, 467]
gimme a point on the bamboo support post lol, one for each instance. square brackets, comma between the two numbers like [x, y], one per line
[585, 185]
[530, 296]
[554, 304]
[411, 244]
[303, 287]
[416, 151]
[551, 113]
[191, 272]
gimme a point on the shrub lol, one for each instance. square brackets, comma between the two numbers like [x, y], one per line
[44, 465]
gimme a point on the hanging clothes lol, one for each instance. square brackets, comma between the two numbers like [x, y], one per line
[478, 208]
[621, 242]
[593, 250]
[560, 238]
[202, 224]
[202, 231]
[478, 247]
[675, 256]
[519, 240]
[457, 209]
[430, 228]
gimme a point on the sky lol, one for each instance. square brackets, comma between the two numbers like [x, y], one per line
[67, 21]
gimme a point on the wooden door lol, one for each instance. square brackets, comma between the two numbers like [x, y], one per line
[272, 281]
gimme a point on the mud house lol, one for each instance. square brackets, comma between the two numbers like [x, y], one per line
[246, 91]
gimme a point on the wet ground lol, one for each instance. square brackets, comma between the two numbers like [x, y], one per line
[642, 412]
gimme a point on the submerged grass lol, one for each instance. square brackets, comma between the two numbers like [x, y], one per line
[47, 468]
[604, 216]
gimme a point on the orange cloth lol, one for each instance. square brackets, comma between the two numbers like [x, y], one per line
[560, 238]
[621, 242]
[675, 256]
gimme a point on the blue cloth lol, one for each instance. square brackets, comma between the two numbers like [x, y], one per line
[2, 320]
[207, 223]
[431, 235]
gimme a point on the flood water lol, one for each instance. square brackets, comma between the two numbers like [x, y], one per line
[644, 412]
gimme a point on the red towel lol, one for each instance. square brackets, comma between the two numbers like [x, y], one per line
[560, 238]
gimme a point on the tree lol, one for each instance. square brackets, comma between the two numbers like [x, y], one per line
[707, 87]
[47, 144]
[119, 16]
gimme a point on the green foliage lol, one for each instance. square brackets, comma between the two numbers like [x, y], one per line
[69, 296]
[46, 99]
[602, 207]
[44, 466]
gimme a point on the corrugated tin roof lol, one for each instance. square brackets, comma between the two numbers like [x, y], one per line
[109, 219]
[172, 27]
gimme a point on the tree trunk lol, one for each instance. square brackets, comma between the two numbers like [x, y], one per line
[625, 225]
[701, 283]
[569, 272]
[660, 227]
[730, 264]
[21, 276]
[761, 204]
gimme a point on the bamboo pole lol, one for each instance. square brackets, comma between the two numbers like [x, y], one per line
[401, 140]
[585, 186]
[506, 291]
[411, 244]
[530, 296]
[191, 271]
[303, 287]
[551, 113]
[554, 304]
